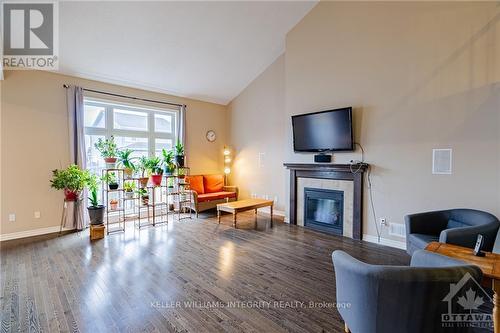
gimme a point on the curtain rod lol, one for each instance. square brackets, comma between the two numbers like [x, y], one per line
[130, 97]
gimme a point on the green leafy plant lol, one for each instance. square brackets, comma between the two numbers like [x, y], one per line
[142, 192]
[109, 178]
[142, 167]
[179, 148]
[107, 147]
[92, 184]
[155, 166]
[125, 160]
[129, 186]
[72, 178]
[168, 159]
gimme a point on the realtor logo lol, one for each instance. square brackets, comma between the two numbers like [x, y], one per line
[30, 35]
[469, 305]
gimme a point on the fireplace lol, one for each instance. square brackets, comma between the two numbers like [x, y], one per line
[324, 210]
[340, 177]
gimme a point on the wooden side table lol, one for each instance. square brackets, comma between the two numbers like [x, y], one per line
[489, 265]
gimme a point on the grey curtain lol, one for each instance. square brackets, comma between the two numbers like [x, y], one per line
[77, 215]
[181, 125]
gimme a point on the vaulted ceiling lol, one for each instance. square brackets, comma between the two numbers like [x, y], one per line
[206, 50]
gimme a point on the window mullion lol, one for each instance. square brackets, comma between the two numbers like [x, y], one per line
[151, 130]
[109, 121]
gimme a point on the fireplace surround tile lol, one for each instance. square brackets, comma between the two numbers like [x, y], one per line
[345, 186]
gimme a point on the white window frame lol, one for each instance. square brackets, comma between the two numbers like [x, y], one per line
[150, 133]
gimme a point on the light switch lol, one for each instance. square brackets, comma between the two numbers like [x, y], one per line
[36, 215]
[262, 160]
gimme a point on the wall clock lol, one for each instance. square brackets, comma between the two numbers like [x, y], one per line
[211, 136]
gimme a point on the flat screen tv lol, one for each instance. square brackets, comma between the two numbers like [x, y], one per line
[323, 131]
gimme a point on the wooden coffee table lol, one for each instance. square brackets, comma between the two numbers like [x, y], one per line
[239, 206]
[489, 265]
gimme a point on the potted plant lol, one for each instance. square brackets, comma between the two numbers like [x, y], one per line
[125, 161]
[96, 211]
[142, 167]
[168, 162]
[143, 194]
[72, 180]
[113, 203]
[108, 150]
[155, 170]
[129, 188]
[179, 154]
[110, 179]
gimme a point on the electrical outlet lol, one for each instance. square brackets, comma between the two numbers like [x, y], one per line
[12, 217]
[36, 214]
[382, 221]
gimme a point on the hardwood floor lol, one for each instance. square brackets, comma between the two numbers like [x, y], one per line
[189, 276]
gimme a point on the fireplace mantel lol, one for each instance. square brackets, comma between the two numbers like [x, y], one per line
[347, 172]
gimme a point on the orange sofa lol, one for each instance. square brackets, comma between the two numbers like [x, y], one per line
[209, 190]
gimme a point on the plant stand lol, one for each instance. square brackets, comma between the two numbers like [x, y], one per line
[118, 195]
[156, 209]
[182, 195]
[65, 209]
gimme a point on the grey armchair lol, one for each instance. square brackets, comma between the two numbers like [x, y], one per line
[387, 299]
[453, 226]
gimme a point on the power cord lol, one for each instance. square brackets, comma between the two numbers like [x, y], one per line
[360, 165]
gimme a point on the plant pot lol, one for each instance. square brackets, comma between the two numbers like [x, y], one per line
[113, 186]
[129, 195]
[156, 180]
[145, 200]
[167, 171]
[179, 160]
[128, 172]
[113, 205]
[110, 162]
[96, 214]
[70, 195]
[143, 181]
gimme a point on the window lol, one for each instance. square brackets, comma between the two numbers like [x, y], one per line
[145, 130]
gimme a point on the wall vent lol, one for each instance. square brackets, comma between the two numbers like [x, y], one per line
[441, 161]
[396, 229]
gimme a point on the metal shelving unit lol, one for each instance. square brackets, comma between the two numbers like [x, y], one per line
[157, 210]
[106, 191]
[182, 195]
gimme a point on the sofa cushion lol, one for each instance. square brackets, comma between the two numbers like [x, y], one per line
[213, 183]
[420, 241]
[196, 183]
[455, 224]
[216, 196]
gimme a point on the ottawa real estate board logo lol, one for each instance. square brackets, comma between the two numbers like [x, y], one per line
[30, 35]
[469, 305]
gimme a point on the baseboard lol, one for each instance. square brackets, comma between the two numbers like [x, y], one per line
[385, 241]
[267, 210]
[31, 233]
